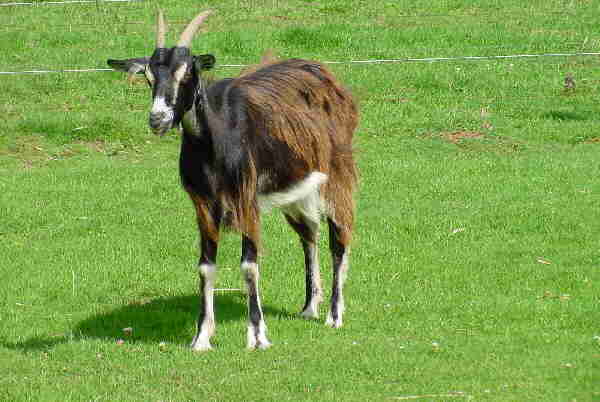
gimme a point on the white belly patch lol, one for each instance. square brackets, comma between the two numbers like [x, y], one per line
[303, 196]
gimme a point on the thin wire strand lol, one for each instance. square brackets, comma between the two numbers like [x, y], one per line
[350, 62]
[53, 3]
[84, 70]
[459, 58]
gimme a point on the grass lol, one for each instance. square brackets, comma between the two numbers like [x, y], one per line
[475, 264]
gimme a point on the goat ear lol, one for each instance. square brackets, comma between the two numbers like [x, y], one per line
[132, 66]
[204, 62]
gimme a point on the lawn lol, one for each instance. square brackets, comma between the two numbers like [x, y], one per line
[475, 269]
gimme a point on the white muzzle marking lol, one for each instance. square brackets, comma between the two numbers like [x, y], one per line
[160, 108]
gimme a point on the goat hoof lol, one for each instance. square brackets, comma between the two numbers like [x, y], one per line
[264, 345]
[259, 344]
[309, 313]
[200, 345]
[201, 348]
[330, 322]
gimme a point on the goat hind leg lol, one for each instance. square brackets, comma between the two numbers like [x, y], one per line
[339, 237]
[308, 231]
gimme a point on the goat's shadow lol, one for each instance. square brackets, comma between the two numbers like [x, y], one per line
[569, 115]
[170, 319]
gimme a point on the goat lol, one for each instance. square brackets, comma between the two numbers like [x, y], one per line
[279, 135]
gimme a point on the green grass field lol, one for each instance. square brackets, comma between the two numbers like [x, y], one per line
[475, 271]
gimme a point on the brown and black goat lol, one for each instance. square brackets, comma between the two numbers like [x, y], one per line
[280, 136]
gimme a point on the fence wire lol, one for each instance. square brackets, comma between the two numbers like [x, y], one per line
[54, 3]
[347, 62]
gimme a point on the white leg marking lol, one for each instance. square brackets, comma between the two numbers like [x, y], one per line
[255, 337]
[206, 329]
[308, 210]
[334, 324]
[340, 302]
[201, 342]
[312, 310]
[303, 203]
[250, 270]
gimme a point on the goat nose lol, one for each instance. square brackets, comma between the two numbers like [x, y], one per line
[156, 119]
[161, 113]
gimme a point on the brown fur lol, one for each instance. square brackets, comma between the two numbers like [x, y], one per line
[301, 105]
[267, 58]
[257, 135]
[207, 225]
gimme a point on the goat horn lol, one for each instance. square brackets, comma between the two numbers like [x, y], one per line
[161, 29]
[192, 28]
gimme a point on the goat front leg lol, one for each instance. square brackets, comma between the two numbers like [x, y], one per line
[208, 223]
[257, 329]
[207, 270]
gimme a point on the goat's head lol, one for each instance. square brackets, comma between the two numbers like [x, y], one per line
[173, 74]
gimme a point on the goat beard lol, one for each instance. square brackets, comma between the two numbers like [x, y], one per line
[160, 131]
[163, 128]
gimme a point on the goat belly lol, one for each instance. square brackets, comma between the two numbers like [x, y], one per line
[307, 188]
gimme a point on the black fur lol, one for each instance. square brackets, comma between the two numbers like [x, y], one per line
[137, 65]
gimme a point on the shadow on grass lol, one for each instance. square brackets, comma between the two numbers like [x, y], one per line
[34, 344]
[171, 319]
[561, 115]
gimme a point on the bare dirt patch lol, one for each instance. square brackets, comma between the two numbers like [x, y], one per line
[458, 136]
[595, 140]
[473, 140]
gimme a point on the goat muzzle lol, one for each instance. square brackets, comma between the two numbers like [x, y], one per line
[160, 123]
[161, 116]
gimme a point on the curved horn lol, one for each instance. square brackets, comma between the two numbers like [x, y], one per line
[161, 29]
[192, 28]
